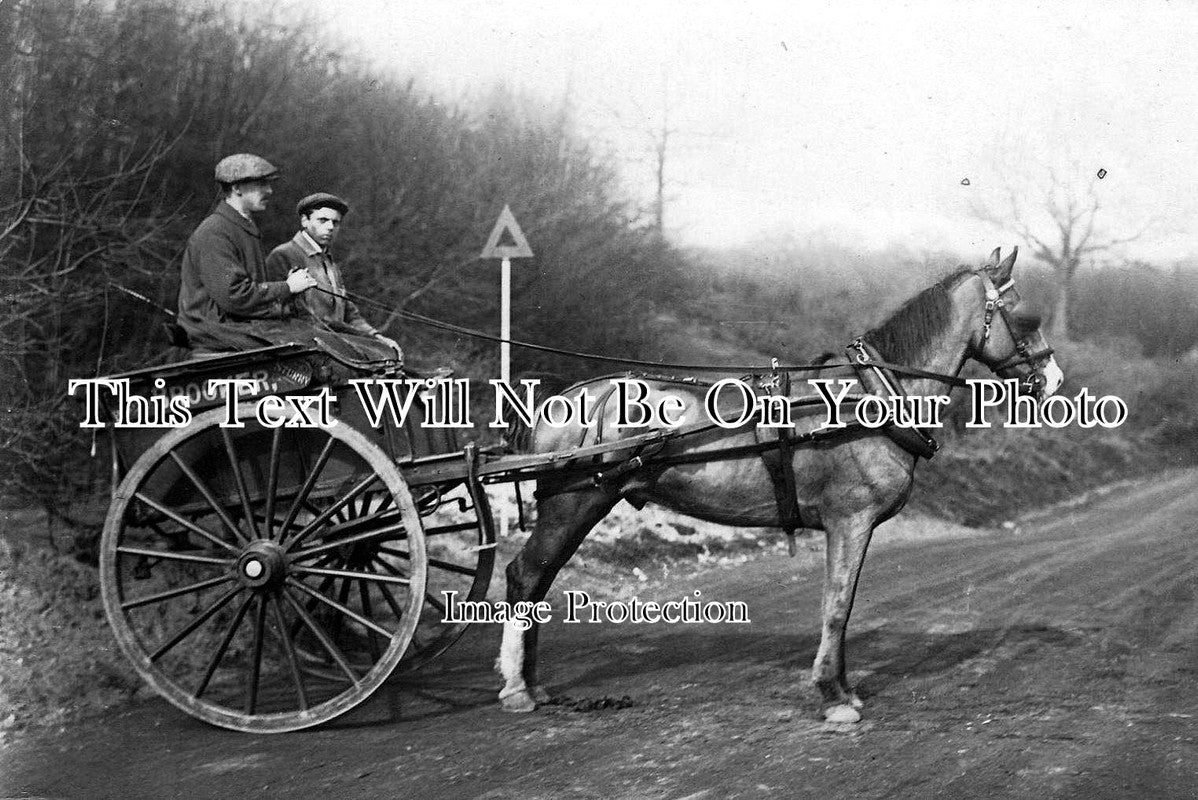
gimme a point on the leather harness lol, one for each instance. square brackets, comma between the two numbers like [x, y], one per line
[877, 376]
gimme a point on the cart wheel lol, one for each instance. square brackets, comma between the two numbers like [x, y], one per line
[460, 531]
[239, 587]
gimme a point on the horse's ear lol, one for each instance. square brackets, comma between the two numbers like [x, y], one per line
[1002, 272]
[993, 262]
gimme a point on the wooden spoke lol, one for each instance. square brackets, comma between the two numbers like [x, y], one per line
[364, 597]
[350, 574]
[396, 609]
[168, 555]
[308, 552]
[387, 502]
[325, 585]
[393, 552]
[435, 603]
[306, 489]
[342, 597]
[448, 566]
[322, 637]
[190, 627]
[371, 522]
[214, 662]
[343, 609]
[272, 480]
[209, 497]
[255, 666]
[172, 593]
[289, 652]
[389, 567]
[315, 524]
[186, 523]
[239, 477]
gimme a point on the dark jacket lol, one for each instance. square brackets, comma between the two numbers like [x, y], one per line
[329, 306]
[223, 288]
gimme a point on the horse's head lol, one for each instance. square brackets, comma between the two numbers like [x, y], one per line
[1009, 340]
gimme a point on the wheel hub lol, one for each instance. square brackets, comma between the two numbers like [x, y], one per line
[261, 564]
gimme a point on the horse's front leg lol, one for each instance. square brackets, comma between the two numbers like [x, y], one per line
[563, 521]
[847, 543]
[518, 665]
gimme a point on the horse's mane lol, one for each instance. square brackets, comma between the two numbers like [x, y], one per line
[904, 336]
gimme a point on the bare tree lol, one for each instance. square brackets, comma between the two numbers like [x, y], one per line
[661, 141]
[1061, 224]
[653, 138]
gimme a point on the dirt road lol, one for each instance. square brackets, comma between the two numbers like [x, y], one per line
[1058, 660]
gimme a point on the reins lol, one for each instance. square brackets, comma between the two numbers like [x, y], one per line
[862, 357]
[994, 302]
[951, 380]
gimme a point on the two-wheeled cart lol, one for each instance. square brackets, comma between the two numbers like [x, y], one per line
[269, 577]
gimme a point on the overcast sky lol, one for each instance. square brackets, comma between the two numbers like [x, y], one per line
[860, 121]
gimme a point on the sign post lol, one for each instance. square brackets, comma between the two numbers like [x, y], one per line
[518, 248]
[505, 320]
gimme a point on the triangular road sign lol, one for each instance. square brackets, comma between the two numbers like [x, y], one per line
[506, 223]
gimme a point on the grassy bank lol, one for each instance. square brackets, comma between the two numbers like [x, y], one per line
[58, 660]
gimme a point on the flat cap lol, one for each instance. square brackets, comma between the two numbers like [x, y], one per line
[321, 200]
[244, 167]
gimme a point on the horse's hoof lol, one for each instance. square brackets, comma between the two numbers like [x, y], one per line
[540, 695]
[841, 714]
[518, 703]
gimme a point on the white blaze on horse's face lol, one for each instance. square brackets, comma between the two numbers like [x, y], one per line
[1040, 375]
[1053, 377]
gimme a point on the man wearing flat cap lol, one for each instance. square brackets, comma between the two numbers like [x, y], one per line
[307, 252]
[225, 299]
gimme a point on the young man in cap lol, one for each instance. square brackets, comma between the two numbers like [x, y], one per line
[225, 299]
[320, 218]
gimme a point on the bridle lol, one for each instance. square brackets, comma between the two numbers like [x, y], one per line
[1001, 299]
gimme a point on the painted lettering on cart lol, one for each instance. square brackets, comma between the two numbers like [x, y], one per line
[204, 392]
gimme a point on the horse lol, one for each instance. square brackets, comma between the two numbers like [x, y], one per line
[845, 486]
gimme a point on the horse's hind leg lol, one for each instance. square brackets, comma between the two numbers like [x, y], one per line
[563, 521]
[847, 543]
